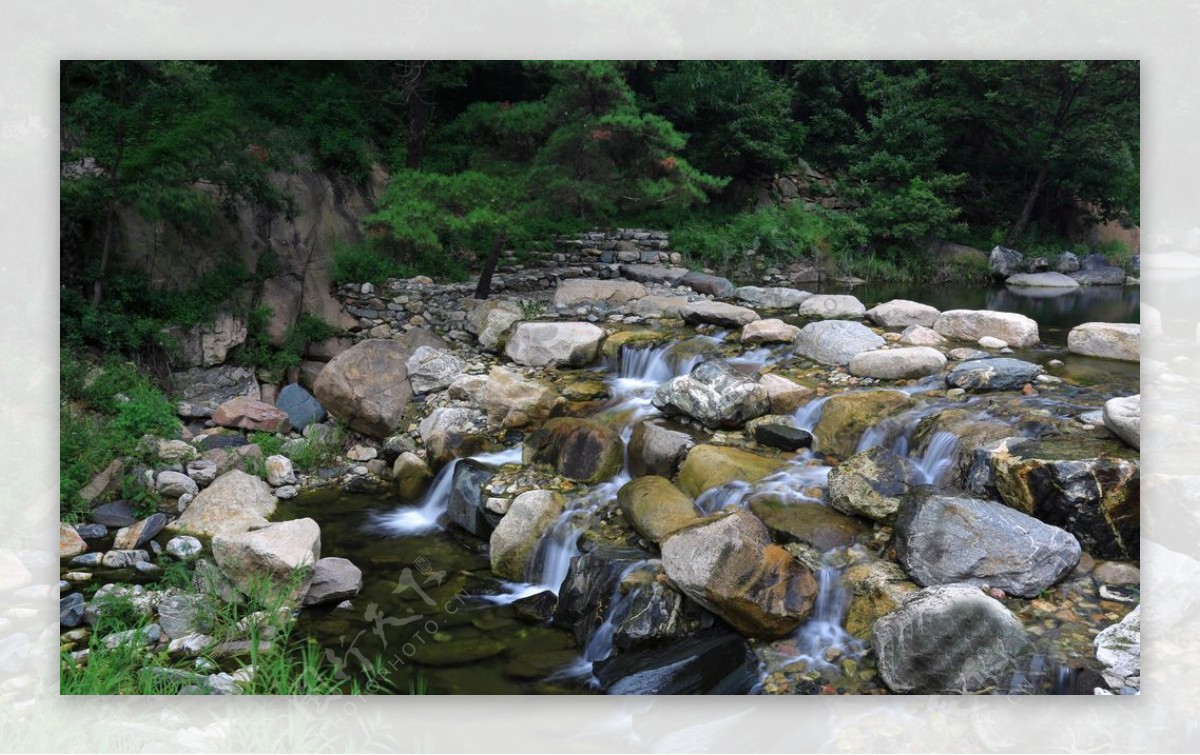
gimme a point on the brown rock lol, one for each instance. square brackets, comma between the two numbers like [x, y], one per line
[69, 542]
[249, 414]
[655, 507]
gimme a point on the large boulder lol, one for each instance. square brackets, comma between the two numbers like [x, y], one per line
[655, 507]
[900, 313]
[431, 369]
[846, 416]
[1101, 275]
[575, 291]
[731, 567]
[813, 524]
[1119, 648]
[513, 401]
[872, 484]
[1001, 374]
[233, 503]
[515, 540]
[301, 407]
[772, 297]
[1090, 488]
[272, 558]
[1106, 340]
[1041, 280]
[334, 579]
[942, 539]
[562, 344]
[491, 321]
[656, 449]
[1016, 330]
[897, 364]
[1003, 262]
[950, 638]
[248, 414]
[452, 431]
[832, 306]
[836, 342]
[702, 283]
[581, 449]
[718, 313]
[769, 331]
[716, 394]
[707, 467]
[1123, 416]
[367, 386]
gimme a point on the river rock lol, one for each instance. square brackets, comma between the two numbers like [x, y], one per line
[515, 540]
[813, 524]
[1000, 374]
[947, 639]
[836, 342]
[846, 416]
[466, 505]
[772, 297]
[183, 547]
[1106, 340]
[576, 291]
[497, 325]
[69, 542]
[919, 335]
[655, 507]
[581, 449]
[784, 437]
[632, 338]
[660, 306]
[411, 474]
[587, 590]
[707, 467]
[990, 342]
[89, 531]
[1003, 262]
[124, 559]
[730, 567]
[174, 484]
[652, 273]
[172, 450]
[785, 395]
[657, 450]
[302, 407]
[1017, 330]
[1103, 275]
[367, 386]
[1123, 416]
[1119, 648]
[280, 471]
[270, 556]
[942, 539]
[713, 662]
[769, 331]
[201, 391]
[650, 612]
[718, 313]
[897, 364]
[235, 502]
[877, 587]
[513, 401]
[702, 283]
[452, 431]
[899, 313]
[832, 306]
[202, 471]
[1041, 280]
[70, 610]
[716, 394]
[139, 533]
[248, 414]
[334, 579]
[1090, 488]
[871, 484]
[114, 514]
[431, 369]
[562, 344]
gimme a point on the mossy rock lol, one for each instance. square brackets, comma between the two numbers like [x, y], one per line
[585, 390]
[614, 342]
[655, 507]
[811, 523]
[707, 467]
[847, 416]
[457, 652]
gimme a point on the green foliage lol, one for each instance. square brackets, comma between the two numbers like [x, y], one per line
[258, 352]
[777, 234]
[270, 443]
[321, 450]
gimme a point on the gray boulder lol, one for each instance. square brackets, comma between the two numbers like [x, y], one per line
[515, 539]
[652, 273]
[302, 407]
[702, 283]
[562, 344]
[201, 391]
[947, 639]
[943, 539]
[657, 450]
[871, 484]
[367, 386]
[1067, 262]
[900, 313]
[1016, 330]
[1102, 275]
[1119, 648]
[431, 369]
[1001, 374]
[466, 505]
[576, 291]
[174, 484]
[772, 297]
[334, 579]
[270, 557]
[235, 502]
[897, 364]
[715, 393]
[451, 431]
[835, 342]
[832, 306]
[1003, 262]
[1041, 280]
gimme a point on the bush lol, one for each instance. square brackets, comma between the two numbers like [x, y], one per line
[258, 352]
[376, 261]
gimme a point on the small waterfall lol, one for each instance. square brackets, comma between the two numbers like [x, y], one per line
[600, 645]
[423, 518]
[824, 631]
[807, 416]
[938, 457]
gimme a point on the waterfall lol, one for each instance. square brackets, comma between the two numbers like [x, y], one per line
[823, 631]
[938, 457]
[600, 645]
[423, 518]
[807, 416]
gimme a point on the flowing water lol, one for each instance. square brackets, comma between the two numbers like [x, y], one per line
[432, 610]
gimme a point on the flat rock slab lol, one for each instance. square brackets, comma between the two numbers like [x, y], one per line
[771, 297]
[1002, 374]
[576, 291]
[1017, 330]
[718, 313]
[563, 344]
[897, 364]
[1106, 340]
[1042, 280]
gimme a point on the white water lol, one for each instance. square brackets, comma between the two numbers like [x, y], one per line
[823, 631]
[422, 518]
[600, 644]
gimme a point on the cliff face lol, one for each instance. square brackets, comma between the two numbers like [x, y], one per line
[328, 211]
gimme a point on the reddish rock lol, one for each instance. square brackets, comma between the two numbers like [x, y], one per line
[248, 414]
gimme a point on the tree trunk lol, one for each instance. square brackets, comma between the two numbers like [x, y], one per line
[418, 117]
[484, 289]
[1018, 227]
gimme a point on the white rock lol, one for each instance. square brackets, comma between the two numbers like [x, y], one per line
[832, 306]
[902, 312]
[280, 471]
[1123, 416]
[1106, 340]
[972, 324]
[991, 342]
